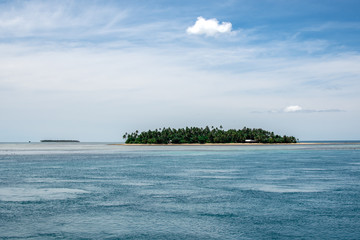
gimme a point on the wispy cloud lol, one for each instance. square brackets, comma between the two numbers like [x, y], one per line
[54, 19]
[299, 109]
[331, 26]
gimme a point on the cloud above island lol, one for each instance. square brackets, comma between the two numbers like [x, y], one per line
[294, 108]
[210, 27]
[299, 109]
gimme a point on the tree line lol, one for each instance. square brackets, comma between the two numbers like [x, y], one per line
[205, 135]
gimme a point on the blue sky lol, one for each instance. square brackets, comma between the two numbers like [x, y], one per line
[93, 70]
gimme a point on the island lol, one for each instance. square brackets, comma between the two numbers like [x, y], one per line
[59, 141]
[207, 135]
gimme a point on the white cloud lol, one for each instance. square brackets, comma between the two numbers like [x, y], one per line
[298, 109]
[294, 108]
[210, 27]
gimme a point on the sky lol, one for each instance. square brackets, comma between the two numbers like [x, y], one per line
[93, 70]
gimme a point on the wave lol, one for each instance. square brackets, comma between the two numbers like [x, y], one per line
[17, 194]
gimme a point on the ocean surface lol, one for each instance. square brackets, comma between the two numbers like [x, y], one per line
[100, 191]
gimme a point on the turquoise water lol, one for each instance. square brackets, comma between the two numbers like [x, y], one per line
[99, 191]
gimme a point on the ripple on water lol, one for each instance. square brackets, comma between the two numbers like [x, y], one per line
[17, 194]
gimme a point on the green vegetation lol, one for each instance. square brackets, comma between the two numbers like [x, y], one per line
[205, 135]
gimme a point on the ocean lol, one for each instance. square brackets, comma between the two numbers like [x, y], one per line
[101, 191]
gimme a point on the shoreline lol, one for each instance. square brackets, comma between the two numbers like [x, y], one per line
[230, 144]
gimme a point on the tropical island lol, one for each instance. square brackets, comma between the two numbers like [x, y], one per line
[196, 135]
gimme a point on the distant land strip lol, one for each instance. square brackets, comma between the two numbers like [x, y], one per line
[47, 140]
